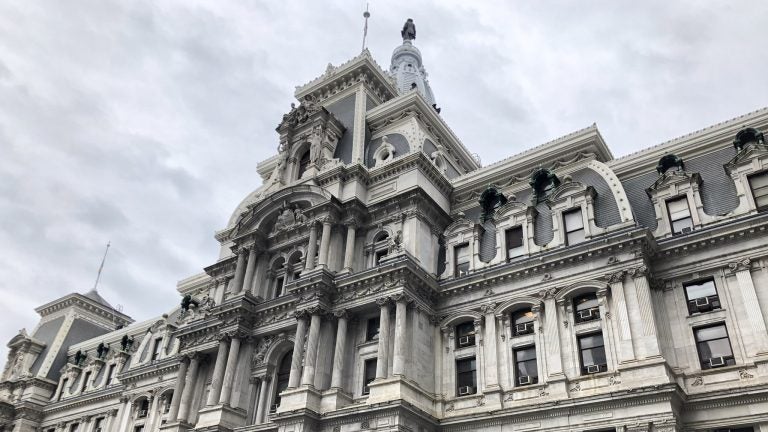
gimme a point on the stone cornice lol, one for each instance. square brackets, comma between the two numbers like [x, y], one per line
[85, 399]
[106, 313]
[150, 370]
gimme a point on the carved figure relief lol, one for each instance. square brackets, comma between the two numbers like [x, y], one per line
[288, 218]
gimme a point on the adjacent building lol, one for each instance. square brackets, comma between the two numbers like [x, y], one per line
[381, 279]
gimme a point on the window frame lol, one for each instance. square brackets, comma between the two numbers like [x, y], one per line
[520, 248]
[110, 372]
[584, 367]
[302, 164]
[706, 364]
[157, 347]
[472, 371]
[471, 334]
[763, 174]
[457, 266]
[713, 300]
[578, 317]
[369, 335]
[366, 378]
[86, 378]
[679, 198]
[568, 232]
[519, 314]
[517, 362]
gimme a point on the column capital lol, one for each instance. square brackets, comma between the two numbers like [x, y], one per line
[615, 277]
[316, 310]
[640, 271]
[741, 265]
[383, 301]
[548, 293]
[301, 314]
[400, 298]
[341, 314]
[194, 355]
[488, 309]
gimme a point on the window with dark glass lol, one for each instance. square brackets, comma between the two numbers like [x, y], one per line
[380, 247]
[574, 227]
[156, 348]
[369, 374]
[303, 163]
[74, 427]
[466, 377]
[168, 401]
[84, 384]
[759, 185]
[526, 371]
[713, 346]
[461, 260]
[514, 240]
[465, 334]
[139, 428]
[143, 408]
[592, 353]
[279, 282]
[98, 424]
[63, 388]
[701, 296]
[522, 322]
[680, 215]
[110, 372]
[736, 429]
[379, 255]
[586, 308]
[372, 329]
[283, 373]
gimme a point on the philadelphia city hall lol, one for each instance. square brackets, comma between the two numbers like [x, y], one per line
[381, 279]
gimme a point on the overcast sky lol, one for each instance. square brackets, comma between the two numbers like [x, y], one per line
[141, 122]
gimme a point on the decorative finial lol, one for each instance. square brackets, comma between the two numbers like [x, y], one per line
[101, 267]
[409, 30]
[366, 15]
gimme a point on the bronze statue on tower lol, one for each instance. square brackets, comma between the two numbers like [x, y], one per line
[409, 30]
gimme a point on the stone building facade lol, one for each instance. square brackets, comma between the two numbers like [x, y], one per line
[381, 279]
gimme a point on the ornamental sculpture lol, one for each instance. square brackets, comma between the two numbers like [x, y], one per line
[409, 30]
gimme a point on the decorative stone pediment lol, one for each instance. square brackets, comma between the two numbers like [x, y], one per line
[460, 225]
[568, 189]
[674, 178]
[746, 155]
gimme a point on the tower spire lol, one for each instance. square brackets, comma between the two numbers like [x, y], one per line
[406, 65]
[366, 15]
[101, 267]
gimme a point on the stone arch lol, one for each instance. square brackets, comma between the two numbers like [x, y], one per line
[459, 317]
[580, 287]
[377, 234]
[616, 188]
[277, 350]
[512, 305]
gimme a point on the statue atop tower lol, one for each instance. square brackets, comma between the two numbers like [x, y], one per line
[407, 67]
[409, 30]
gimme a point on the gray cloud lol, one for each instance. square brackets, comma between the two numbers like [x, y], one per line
[142, 122]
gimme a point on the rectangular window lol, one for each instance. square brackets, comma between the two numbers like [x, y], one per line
[735, 429]
[514, 240]
[74, 427]
[157, 348]
[84, 384]
[592, 353]
[759, 185]
[461, 260]
[110, 372]
[701, 296]
[279, 282]
[713, 346]
[97, 424]
[139, 428]
[372, 329]
[63, 388]
[369, 374]
[465, 334]
[466, 377]
[680, 215]
[526, 371]
[574, 226]
[379, 255]
[296, 275]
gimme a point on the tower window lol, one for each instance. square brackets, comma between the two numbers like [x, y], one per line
[86, 378]
[303, 164]
[680, 215]
[369, 374]
[283, 373]
[574, 226]
[157, 348]
[461, 260]
[759, 185]
[514, 240]
[372, 329]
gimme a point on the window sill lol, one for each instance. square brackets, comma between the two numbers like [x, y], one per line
[467, 351]
[711, 317]
[716, 370]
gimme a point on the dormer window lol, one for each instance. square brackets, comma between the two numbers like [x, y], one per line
[461, 260]
[680, 215]
[514, 240]
[574, 226]
[758, 183]
[303, 163]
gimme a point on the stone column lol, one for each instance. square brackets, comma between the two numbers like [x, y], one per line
[437, 341]
[489, 348]
[261, 404]
[221, 288]
[309, 261]
[752, 306]
[298, 346]
[249, 269]
[181, 380]
[154, 412]
[763, 427]
[643, 292]
[539, 343]
[325, 243]
[383, 356]
[626, 351]
[339, 352]
[349, 252]
[189, 390]
[552, 336]
[310, 358]
[401, 334]
[229, 373]
[218, 372]
[237, 284]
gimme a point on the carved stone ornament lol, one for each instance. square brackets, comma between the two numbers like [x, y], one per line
[639, 271]
[548, 293]
[744, 264]
[697, 381]
[615, 277]
[743, 374]
[261, 351]
[488, 308]
[289, 217]
[576, 388]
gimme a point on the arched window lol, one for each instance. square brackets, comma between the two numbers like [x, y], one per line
[303, 163]
[278, 277]
[522, 319]
[380, 247]
[586, 307]
[281, 380]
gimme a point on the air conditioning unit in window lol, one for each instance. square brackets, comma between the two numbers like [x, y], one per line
[142, 413]
[467, 390]
[717, 362]
[591, 369]
[525, 328]
[524, 380]
[703, 304]
[686, 230]
[465, 341]
[586, 314]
